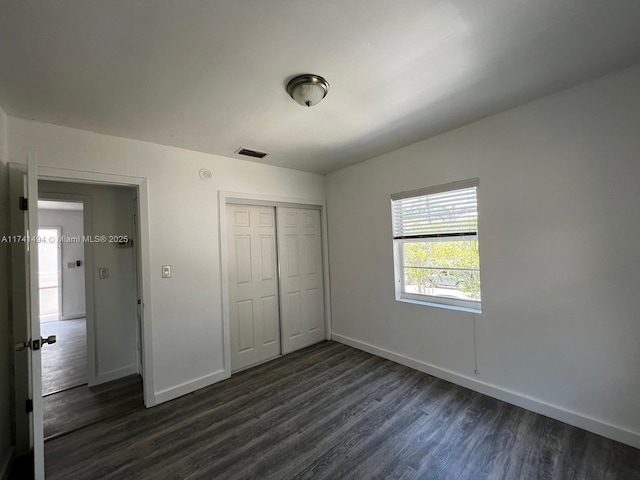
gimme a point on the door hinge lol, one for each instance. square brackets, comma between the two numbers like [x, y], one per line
[24, 204]
[29, 405]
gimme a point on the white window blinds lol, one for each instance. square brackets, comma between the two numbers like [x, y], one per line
[449, 210]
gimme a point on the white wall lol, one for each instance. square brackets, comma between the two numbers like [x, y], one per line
[186, 309]
[71, 225]
[5, 346]
[559, 198]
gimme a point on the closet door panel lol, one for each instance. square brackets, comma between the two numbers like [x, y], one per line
[254, 315]
[301, 278]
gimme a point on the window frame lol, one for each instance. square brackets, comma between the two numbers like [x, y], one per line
[473, 306]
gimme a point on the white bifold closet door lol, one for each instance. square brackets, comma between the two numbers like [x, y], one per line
[301, 278]
[253, 285]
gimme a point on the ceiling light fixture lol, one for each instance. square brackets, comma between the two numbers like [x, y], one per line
[308, 89]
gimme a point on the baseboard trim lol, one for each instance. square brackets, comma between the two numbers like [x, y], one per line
[6, 463]
[191, 386]
[73, 316]
[590, 424]
[114, 375]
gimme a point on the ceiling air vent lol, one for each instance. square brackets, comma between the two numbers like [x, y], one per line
[251, 153]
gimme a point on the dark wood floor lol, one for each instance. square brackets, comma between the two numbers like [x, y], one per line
[333, 412]
[64, 364]
[81, 406]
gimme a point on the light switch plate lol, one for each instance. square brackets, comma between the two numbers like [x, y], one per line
[103, 273]
[166, 271]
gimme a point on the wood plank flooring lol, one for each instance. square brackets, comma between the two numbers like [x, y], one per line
[81, 406]
[333, 412]
[64, 364]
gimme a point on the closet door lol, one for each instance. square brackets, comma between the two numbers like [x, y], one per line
[253, 285]
[301, 278]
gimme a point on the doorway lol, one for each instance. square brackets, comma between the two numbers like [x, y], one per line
[276, 281]
[93, 370]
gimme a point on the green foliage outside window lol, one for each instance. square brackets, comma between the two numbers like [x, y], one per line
[443, 264]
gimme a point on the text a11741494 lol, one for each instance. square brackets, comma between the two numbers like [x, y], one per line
[118, 239]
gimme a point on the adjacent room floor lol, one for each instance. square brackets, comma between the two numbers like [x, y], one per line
[69, 404]
[78, 407]
[64, 364]
[334, 412]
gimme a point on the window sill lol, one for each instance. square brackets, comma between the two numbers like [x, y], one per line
[440, 305]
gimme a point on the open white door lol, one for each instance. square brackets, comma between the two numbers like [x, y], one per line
[37, 423]
[138, 269]
[26, 316]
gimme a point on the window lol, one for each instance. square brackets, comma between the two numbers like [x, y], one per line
[435, 236]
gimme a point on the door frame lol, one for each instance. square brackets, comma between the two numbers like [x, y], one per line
[242, 198]
[144, 261]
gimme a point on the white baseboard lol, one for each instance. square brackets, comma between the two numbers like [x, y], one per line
[191, 386]
[5, 464]
[114, 375]
[73, 316]
[590, 424]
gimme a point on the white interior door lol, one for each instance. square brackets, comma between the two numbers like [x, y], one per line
[29, 425]
[37, 422]
[301, 278]
[137, 269]
[253, 285]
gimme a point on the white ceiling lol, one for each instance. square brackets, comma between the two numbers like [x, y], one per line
[211, 75]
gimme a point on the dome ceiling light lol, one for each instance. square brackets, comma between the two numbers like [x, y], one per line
[308, 89]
